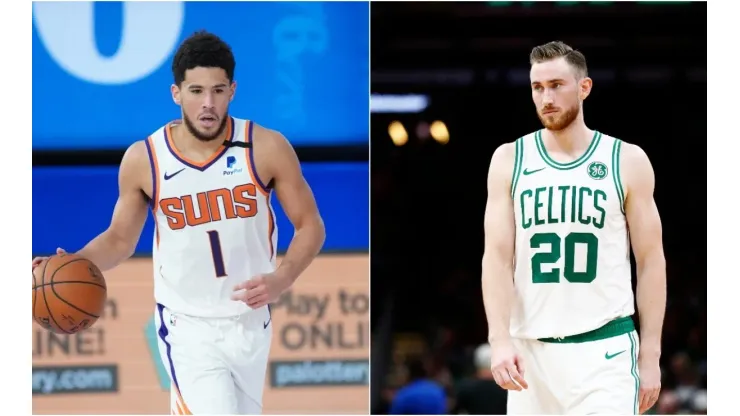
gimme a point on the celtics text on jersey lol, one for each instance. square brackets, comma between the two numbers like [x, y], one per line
[572, 266]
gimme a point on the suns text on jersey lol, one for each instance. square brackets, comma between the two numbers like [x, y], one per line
[564, 203]
[210, 206]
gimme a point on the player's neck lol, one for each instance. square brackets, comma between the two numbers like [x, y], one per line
[572, 139]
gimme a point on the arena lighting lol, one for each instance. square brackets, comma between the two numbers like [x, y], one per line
[406, 103]
[439, 132]
[398, 133]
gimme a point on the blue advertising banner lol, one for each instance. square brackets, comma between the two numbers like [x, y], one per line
[72, 205]
[102, 70]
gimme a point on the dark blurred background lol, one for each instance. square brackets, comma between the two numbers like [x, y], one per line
[450, 84]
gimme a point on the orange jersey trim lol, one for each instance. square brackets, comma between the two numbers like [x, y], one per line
[182, 408]
[208, 162]
[153, 161]
[249, 153]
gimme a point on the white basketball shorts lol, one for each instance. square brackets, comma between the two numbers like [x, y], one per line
[594, 377]
[216, 365]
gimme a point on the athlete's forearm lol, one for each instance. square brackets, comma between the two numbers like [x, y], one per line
[651, 303]
[304, 247]
[498, 289]
[107, 251]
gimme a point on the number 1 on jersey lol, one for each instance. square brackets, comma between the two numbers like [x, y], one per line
[218, 255]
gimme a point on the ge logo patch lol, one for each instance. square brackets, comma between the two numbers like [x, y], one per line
[597, 170]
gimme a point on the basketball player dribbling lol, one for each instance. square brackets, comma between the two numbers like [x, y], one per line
[209, 181]
[556, 267]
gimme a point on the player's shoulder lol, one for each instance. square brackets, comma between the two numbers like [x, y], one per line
[135, 167]
[506, 152]
[143, 151]
[266, 139]
[137, 151]
[635, 165]
[267, 134]
[629, 153]
[502, 160]
[634, 153]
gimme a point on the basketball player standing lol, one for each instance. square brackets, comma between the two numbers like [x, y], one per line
[560, 203]
[208, 181]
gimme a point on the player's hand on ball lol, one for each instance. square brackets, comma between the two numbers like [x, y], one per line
[259, 290]
[39, 260]
[649, 383]
[507, 367]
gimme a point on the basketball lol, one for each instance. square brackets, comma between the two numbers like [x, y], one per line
[69, 293]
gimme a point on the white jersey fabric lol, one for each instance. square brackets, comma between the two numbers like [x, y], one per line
[572, 265]
[215, 226]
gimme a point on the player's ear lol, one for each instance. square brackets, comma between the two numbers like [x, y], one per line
[585, 87]
[232, 87]
[175, 90]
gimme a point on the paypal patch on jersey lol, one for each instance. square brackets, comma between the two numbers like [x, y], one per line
[231, 166]
[302, 68]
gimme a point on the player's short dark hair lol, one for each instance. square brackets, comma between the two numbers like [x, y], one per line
[202, 49]
[558, 49]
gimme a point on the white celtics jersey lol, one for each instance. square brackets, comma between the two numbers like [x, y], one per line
[215, 227]
[572, 265]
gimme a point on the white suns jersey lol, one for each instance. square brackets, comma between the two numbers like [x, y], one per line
[215, 227]
[572, 266]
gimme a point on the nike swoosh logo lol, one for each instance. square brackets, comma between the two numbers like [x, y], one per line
[269, 320]
[168, 177]
[529, 172]
[610, 356]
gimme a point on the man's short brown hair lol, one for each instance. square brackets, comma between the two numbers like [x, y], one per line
[557, 49]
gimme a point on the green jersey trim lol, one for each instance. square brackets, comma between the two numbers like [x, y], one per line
[633, 369]
[616, 151]
[570, 165]
[619, 326]
[518, 157]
